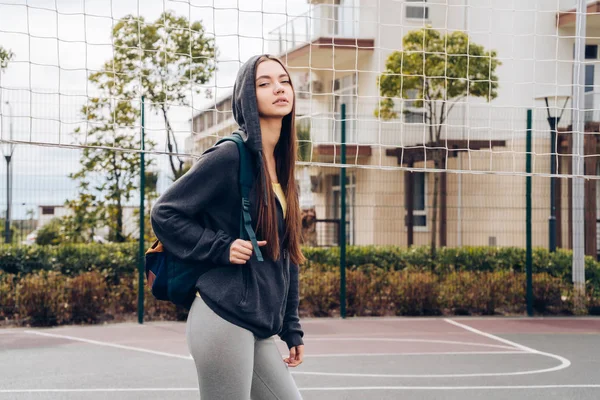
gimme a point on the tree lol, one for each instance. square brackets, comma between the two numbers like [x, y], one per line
[170, 58]
[107, 159]
[5, 57]
[437, 71]
[162, 60]
[87, 214]
[50, 234]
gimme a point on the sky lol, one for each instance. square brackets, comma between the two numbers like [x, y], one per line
[58, 43]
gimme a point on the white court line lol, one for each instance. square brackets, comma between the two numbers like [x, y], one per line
[439, 319]
[447, 353]
[322, 339]
[513, 346]
[564, 363]
[107, 344]
[98, 390]
[538, 387]
[490, 336]
[308, 389]
[99, 343]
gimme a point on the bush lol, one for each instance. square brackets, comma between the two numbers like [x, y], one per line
[319, 291]
[547, 294]
[7, 295]
[49, 234]
[74, 283]
[41, 299]
[116, 260]
[416, 293]
[87, 297]
[111, 259]
[484, 293]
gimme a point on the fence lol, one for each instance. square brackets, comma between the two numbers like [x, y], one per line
[436, 98]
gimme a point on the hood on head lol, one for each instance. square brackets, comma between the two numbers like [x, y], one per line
[245, 106]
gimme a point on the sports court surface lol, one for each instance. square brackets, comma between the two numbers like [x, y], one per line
[363, 358]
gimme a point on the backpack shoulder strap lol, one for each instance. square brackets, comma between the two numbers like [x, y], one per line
[246, 181]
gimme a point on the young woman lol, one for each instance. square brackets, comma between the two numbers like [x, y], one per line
[241, 303]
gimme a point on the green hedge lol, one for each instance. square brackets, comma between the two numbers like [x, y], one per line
[448, 260]
[114, 260]
[51, 298]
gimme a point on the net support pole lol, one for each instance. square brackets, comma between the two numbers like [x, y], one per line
[343, 216]
[142, 217]
[528, 230]
[577, 159]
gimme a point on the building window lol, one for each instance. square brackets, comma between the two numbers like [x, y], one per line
[419, 199]
[417, 11]
[591, 52]
[47, 210]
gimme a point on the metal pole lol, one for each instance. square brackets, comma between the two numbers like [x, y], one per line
[7, 236]
[10, 147]
[578, 134]
[343, 218]
[142, 246]
[553, 121]
[528, 230]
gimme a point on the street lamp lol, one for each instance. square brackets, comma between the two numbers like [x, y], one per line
[553, 122]
[7, 149]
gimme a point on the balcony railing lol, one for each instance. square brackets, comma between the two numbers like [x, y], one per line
[324, 20]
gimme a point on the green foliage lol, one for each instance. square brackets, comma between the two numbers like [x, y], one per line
[74, 283]
[98, 282]
[163, 60]
[304, 142]
[114, 172]
[5, 57]
[42, 298]
[160, 60]
[50, 234]
[87, 214]
[435, 68]
[111, 259]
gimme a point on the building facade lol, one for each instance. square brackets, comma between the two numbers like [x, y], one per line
[335, 53]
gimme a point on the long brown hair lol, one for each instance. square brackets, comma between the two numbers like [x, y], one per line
[286, 154]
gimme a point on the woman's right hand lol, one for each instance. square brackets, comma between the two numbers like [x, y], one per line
[241, 251]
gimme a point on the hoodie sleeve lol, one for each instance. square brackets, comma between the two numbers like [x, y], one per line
[291, 332]
[174, 217]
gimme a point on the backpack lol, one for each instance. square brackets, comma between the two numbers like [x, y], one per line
[174, 280]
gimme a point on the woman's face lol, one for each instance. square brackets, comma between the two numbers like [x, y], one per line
[273, 90]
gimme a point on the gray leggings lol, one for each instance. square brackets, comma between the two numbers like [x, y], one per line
[232, 364]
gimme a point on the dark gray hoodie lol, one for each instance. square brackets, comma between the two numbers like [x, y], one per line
[198, 218]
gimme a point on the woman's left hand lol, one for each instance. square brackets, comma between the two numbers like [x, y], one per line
[296, 356]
